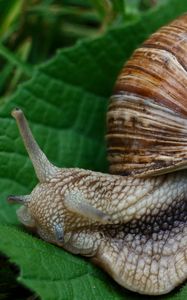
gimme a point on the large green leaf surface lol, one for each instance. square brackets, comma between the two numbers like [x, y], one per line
[65, 103]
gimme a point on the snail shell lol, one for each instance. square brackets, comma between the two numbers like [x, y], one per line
[134, 227]
[147, 124]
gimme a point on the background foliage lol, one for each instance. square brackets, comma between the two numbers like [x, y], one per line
[62, 88]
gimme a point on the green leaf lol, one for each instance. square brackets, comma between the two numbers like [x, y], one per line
[66, 102]
[53, 274]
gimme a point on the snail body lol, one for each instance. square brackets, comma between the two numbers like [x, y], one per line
[133, 226]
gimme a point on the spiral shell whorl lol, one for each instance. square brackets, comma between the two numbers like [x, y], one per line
[147, 124]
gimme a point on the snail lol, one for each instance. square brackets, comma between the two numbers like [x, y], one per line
[133, 221]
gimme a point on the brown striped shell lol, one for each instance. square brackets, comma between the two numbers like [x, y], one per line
[147, 117]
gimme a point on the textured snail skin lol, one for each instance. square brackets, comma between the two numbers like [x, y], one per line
[143, 244]
[135, 226]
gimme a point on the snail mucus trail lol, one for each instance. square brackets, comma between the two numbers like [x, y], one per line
[135, 226]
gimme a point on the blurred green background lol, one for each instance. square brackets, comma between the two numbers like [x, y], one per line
[33, 30]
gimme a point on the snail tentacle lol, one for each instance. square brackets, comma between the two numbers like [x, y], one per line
[43, 168]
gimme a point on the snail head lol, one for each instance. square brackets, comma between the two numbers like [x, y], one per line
[34, 206]
[53, 205]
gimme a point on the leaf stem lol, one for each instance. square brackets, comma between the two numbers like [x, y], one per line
[13, 59]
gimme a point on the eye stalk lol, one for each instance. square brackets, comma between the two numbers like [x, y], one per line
[18, 199]
[43, 168]
[76, 202]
